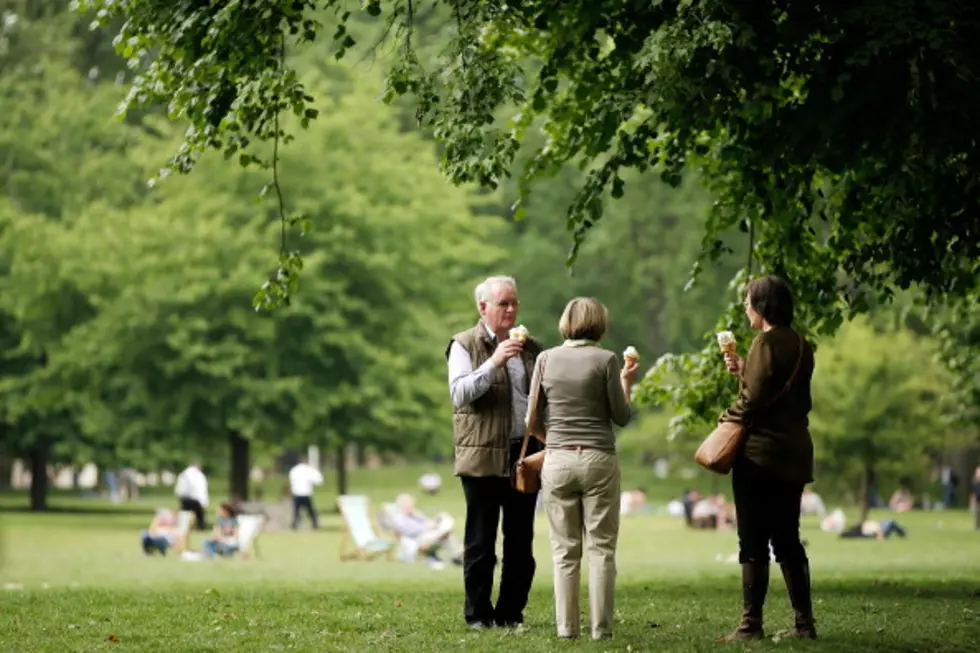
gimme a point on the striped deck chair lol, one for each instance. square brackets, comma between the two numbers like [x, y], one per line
[360, 540]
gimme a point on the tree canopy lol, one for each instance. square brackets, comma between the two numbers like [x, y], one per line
[839, 137]
[126, 321]
[844, 131]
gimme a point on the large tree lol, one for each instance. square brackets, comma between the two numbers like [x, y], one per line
[126, 322]
[881, 408]
[59, 152]
[177, 351]
[839, 136]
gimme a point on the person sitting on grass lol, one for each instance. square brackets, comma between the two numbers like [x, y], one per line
[633, 502]
[163, 534]
[713, 513]
[224, 541]
[812, 503]
[902, 499]
[689, 500]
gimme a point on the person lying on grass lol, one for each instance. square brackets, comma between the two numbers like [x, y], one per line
[874, 529]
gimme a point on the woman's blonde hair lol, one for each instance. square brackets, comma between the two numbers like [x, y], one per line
[584, 318]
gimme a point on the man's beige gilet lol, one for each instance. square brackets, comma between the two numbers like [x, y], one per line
[482, 429]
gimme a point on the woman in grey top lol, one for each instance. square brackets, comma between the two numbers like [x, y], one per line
[582, 391]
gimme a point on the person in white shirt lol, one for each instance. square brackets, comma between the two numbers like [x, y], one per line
[430, 483]
[302, 478]
[191, 489]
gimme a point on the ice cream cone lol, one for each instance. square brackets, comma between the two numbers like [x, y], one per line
[519, 332]
[631, 355]
[726, 342]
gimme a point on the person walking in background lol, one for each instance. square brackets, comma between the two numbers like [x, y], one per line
[902, 499]
[112, 485]
[975, 498]
[776, 458]
[302, 477]
[949, 481]
[489, 377]
[191, 489]
[581, 391]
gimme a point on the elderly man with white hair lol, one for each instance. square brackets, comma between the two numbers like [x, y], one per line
[489, 381]
[429, 536]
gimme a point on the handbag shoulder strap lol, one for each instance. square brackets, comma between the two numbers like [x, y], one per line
[532, 413]
[792, 377]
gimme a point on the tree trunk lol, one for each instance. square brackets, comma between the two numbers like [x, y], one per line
[6, 470]
[340, 466]
[238, 481]
[869, 484]
[39, 477]
[964, 466]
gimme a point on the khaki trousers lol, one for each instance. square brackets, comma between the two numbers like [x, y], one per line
[581, 498]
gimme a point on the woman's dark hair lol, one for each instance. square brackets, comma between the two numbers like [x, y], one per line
[771, 298]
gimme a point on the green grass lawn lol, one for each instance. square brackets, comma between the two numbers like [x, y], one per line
[71, 581]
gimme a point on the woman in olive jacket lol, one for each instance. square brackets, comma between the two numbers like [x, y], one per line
[776, 459]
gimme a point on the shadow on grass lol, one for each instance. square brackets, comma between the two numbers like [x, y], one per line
[78, 510]
[905, 589]
[854, 588]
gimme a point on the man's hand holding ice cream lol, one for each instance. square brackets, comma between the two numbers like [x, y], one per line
[511, 347]
[726, 343]
[520, 332]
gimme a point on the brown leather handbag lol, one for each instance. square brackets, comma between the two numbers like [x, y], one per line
[717, 452]
[525, 476]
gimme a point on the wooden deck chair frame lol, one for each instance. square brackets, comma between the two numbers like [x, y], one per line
[252, 543]
[184, 520]
[349, 550]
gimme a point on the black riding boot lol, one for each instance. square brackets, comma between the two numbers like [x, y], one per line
[797, 578]
[755, 585]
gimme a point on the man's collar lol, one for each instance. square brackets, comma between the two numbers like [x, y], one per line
[580, 343]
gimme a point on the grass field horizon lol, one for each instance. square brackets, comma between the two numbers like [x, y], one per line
[76, 581]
